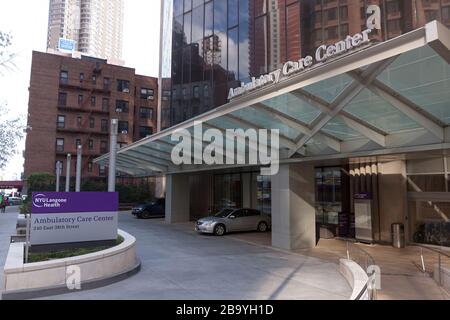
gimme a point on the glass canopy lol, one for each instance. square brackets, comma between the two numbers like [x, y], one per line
[388, 96]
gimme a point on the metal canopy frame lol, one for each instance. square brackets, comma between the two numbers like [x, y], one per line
[303, 139]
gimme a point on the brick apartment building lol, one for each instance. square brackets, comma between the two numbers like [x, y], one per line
[72, 102]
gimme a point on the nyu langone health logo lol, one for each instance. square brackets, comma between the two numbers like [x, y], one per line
[43, 201]
[230, 147]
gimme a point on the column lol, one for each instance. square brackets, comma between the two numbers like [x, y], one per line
[177, 198]
[293, 207]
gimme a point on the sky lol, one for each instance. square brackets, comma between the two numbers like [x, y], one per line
[29, 31]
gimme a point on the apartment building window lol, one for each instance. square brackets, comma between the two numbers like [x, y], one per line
[393, 6]
[64, 77]
[91, 144]
[94, 79]
[446, 14]
[90, 166]
[394, 25]
[146, 113]
[343, 13]
[331, 33]
[61, 122]
[80, 99]
[106, 84]
[166, 95]
[79, 120]
[101, 170]
[105, 104]
[104, 125]
[122, 106]
[145, 132]
[62, 99]
[81, 77]
[93, 101]
[147, 94]
[206, 91]
[91, 123]
[331, 14]
[60, 145]
[104, 147]
[77, 143]
[196, 92]
[123, 127]
[123, 86]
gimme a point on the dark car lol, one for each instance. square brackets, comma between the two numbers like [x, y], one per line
[156, 209]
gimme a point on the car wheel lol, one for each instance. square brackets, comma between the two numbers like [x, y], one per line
[146, 215]
[219, 230]
[263, 227]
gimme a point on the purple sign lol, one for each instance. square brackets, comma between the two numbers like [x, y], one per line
[363, 196]
[74, 202]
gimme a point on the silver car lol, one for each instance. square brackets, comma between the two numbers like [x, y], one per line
[231, 220]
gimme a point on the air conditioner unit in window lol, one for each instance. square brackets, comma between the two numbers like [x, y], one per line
[126, 90]
[124, 131]
[150, 98]
[119, 110]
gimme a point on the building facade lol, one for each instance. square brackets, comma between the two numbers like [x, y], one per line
[215, 45]
[358, 92]
[72, 102]
[95, 25]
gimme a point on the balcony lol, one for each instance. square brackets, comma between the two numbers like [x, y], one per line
[83, 86]
[84, 110]
[82, 131]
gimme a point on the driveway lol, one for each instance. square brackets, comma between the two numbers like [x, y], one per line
[179, 264]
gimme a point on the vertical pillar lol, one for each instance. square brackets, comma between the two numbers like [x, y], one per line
[78, 176]
[58, 175]
[293, 207]
[113, 155]
[393, 204]
[68, 171]
[177, 198]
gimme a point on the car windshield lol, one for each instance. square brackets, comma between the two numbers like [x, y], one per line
[224, 213]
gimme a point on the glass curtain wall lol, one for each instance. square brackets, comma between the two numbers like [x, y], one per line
[328, 195]
[216, 44]
[429, 200]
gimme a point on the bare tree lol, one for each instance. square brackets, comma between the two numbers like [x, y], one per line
[11, 126]
[6, 57]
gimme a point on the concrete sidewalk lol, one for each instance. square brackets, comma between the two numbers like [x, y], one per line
[402, 278]
[7, 229]
[178, 263]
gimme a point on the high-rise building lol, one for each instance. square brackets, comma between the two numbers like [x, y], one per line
[72, 102]
[217, 44]
[96, 26]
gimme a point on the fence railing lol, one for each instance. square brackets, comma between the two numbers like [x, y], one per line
[366, 262]
[443, 259]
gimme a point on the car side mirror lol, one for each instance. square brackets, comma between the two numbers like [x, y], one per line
[232, 217]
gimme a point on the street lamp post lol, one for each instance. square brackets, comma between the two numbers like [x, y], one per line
[78, 177]
[68, 171]
[58, 175]
[113, 155]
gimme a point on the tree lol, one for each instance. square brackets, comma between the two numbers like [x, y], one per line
[11, 128]
[6, 57]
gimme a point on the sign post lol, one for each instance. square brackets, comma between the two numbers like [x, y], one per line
[68, 172]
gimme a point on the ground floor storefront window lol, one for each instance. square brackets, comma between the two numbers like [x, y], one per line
[328, 195]
[429, 200]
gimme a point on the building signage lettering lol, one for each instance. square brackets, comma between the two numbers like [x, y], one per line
[322, 54]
